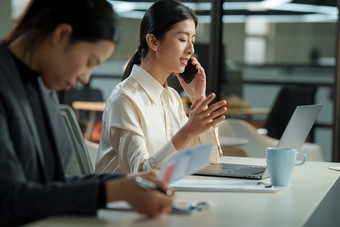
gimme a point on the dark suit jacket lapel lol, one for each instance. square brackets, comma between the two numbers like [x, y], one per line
[16, 84]
[60, 137]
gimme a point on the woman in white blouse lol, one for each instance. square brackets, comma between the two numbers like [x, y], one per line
[144, 121]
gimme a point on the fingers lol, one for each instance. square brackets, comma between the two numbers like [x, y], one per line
[201, 104]
[197, 64]
[218, 112]
[196, 103]
[162, 185]
[216, 109]
[150, 175]
[212, 115]
[150, 202]
[159, 205]
[180, 79]
[215, 121]
[213, 107]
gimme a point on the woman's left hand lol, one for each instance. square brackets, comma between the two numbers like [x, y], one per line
[197, 86]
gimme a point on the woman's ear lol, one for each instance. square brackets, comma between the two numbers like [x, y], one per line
[61, 34]
[152, 41]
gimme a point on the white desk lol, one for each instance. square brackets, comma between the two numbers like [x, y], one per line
[230, 141]
[291, 206]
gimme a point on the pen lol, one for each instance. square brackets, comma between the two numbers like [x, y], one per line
[264, 184]
[142, 182]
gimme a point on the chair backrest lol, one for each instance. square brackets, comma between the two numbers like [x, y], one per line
[289, 97]
[80, 162]
[93, 149]
[86, 93]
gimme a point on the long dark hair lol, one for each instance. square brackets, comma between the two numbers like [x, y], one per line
[158, 19]
[91, 21]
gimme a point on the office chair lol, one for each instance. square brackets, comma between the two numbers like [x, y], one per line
[85, 93]
[80, 161]
[289, 97]
[92, 148]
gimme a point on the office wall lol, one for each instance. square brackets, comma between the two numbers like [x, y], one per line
[293, 42]
[233, 39]
[129, 39]
[290, 43]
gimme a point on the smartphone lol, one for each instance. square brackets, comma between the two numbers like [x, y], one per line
[189, 73]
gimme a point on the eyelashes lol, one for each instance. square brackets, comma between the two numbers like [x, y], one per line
[183, 40]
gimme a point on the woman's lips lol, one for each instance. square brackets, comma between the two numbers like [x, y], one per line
[68, 86]
[184, 61]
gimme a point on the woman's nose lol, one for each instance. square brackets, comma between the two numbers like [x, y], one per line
[85, 78]
[191, 49]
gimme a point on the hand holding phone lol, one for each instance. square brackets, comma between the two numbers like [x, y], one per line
[189, 73]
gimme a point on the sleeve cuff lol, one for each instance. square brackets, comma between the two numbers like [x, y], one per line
[166, 152]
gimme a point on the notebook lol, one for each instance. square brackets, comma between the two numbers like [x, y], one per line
[293, 136]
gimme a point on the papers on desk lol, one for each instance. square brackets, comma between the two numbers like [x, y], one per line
[334, 168]
[175, 168]
[222, 185]
[194, 159]
[185, 162]
[178, 206]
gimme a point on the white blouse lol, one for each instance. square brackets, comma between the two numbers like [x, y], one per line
[139, 120]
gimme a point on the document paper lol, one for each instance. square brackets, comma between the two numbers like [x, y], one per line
[222, 185]
[185, 162]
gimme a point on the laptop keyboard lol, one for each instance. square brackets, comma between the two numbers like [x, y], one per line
[244, 169]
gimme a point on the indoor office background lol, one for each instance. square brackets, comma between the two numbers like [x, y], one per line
[267, 45]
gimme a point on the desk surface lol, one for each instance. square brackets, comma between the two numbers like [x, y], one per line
[232, 141]
[90, 106]
[291, 206]
[247, 111]
[99, 106]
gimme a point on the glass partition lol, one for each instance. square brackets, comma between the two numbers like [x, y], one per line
[266, 46]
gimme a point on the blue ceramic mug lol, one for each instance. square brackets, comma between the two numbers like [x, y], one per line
[280, 164]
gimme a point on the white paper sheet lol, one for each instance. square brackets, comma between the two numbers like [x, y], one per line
[222, 185]
[185, 162]
[334, 168]
[178, 206]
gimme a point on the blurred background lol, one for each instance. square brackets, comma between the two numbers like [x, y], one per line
[273, 53]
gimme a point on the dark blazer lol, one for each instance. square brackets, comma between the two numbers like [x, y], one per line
[26, 194]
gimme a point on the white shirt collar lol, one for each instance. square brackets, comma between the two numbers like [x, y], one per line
[151, 86]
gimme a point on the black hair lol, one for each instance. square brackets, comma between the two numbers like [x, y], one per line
[158, 19]
[91, 21]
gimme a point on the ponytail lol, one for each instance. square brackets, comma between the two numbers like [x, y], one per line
[135, 59]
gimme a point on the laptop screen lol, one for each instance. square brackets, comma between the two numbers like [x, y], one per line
[299, 126]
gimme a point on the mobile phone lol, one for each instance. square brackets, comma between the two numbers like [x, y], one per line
[189, 73]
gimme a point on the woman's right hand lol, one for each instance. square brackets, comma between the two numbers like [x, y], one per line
[149, 202]
[201, 118]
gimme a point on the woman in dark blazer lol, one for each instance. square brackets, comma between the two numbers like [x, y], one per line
[55, 45]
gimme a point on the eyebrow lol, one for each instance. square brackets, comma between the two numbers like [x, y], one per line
[186, 33]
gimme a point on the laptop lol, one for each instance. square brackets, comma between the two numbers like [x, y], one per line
[293, 136]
